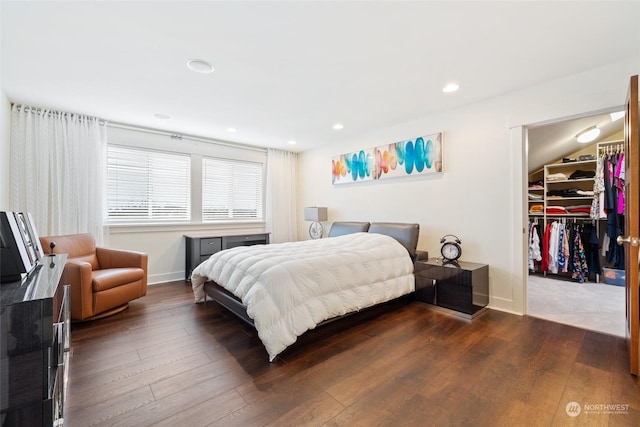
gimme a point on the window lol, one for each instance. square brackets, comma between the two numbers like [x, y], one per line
[147, 186]
[231, 190]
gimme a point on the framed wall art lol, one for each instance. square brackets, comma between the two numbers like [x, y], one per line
[417, 156]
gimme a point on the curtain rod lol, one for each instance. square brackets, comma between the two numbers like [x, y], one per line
[50, 112]
[172, 135]
[180, 137]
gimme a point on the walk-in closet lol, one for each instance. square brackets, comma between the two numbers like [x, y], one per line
[576, 211]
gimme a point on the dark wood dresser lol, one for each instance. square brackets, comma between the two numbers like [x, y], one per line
[34, 343]
[200, 247]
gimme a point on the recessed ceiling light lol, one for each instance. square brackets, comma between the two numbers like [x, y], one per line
[588, 135]
[161, 116]
[338, 126]
[616, 116]
[292, 142]
[451, 87]
[231, 130]
[199, 66]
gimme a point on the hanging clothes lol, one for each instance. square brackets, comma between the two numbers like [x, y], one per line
[535, 254]
[562, 259]
[580, 271]
[597, 205]
[614, 207]
[591, 248]
[544, 265]
[619, 183]
[566, 250]
[554, 239]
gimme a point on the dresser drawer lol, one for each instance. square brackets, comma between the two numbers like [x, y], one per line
[229, 242]
[209, 246]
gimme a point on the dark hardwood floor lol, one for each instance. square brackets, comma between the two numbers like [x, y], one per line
[168, 361]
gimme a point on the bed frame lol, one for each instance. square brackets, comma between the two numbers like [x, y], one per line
[406, 234]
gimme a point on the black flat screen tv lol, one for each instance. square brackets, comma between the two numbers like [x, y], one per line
[20, 247]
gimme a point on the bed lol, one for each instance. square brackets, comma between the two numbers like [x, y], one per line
[286, 289]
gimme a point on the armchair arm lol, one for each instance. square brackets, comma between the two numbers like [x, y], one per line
[78, 275]
[118, 258]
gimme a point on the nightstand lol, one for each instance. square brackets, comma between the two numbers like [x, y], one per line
[462, 286]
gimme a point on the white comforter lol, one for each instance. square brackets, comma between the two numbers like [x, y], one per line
[289, 288]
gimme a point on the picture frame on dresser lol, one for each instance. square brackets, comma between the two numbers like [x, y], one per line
[20, 248]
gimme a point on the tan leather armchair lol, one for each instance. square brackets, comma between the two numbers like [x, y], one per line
[102, 280]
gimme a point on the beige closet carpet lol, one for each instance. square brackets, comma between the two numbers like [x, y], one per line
[593, 306]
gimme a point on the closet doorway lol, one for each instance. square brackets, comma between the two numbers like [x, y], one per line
[575, 271]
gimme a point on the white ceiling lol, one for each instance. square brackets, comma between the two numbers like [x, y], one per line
[290, 70]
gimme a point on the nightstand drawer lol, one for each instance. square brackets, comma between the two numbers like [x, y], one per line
[424, 283]
[455, 297]
[425, 290]
[210, 246]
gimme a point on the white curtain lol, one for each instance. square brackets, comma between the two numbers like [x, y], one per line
[58, 171]
[281, 215]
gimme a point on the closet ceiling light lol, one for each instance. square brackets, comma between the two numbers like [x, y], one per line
[451, 87]
[338, 126]
[232, 130]
[292, 142]
[588, 135]
[200, 66]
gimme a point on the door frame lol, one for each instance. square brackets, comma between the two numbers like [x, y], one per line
[520, 138]
[631, 254]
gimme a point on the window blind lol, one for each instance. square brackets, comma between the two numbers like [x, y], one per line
[147, 186]
[231, 190]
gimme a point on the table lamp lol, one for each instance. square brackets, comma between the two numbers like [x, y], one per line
[316, 215]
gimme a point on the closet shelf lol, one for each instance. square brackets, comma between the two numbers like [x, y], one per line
[571, 165]
[555, 199]
[564, 181]
[568, 215]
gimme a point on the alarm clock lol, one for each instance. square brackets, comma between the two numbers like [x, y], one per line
[450, 250]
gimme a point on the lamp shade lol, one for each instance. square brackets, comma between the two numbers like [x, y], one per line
[315, 214]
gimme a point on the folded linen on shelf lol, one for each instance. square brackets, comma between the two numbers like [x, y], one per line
[556, 210]
[570, 192]
[580, 174]
[536, 208]
[556, 177]
[579, 209]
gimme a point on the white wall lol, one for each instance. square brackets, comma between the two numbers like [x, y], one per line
[480, 195]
